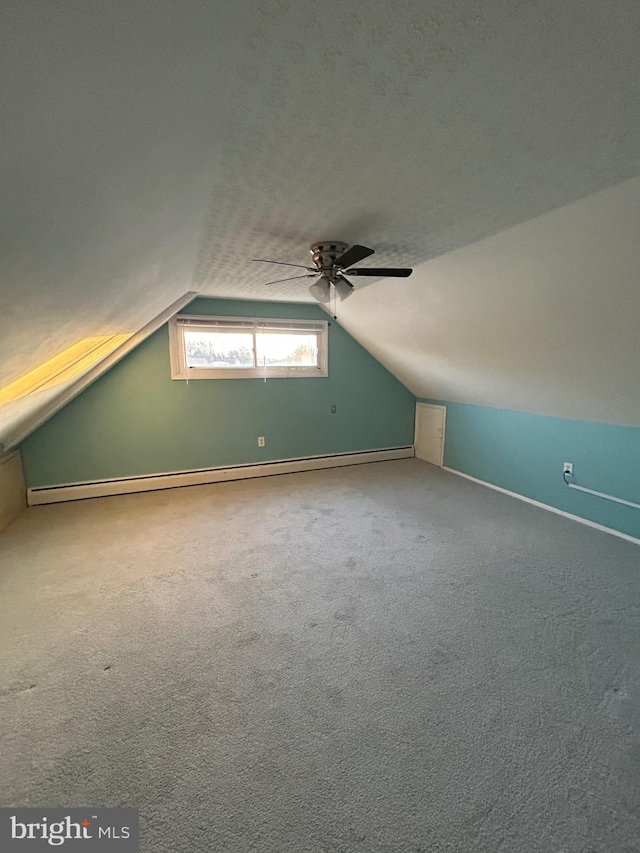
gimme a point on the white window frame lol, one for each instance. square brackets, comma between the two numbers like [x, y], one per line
[253, 325]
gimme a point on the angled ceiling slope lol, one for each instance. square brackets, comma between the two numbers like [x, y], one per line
[541, 318]
[32, 400]
[152, 149]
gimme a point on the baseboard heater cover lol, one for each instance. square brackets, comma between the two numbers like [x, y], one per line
[202, 476]
[548, 507]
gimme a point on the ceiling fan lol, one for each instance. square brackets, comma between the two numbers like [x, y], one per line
[333, 262]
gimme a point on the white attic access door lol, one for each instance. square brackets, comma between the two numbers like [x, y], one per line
[429, 433]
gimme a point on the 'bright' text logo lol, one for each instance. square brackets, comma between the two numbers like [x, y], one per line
[54, 833]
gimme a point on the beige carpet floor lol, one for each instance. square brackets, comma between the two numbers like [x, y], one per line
[379, 659]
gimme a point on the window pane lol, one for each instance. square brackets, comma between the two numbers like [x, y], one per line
[218, 349]
[287, 350]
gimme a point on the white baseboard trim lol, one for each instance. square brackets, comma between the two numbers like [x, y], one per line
[202, 476]
[548, 507]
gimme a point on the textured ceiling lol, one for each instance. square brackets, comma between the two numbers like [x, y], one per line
[421, 128]
[151, 148]
[542, 317]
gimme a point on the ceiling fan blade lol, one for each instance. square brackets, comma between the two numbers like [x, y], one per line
[293, 278]
[343, 287]
[353, 256]
[382, 271]
[281, 263]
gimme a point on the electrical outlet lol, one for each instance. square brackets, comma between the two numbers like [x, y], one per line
[334, 408]
[568, 468]
[260, 441]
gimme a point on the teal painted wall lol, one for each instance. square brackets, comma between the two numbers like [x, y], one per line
[524, 453]
[137, 420]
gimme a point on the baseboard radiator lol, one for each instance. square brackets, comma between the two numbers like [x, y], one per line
[547, 507]
[202, 476]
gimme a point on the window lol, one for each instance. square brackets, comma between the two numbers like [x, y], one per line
[205, 347]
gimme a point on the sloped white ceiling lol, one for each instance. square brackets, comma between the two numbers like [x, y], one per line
[543, 317]
[154, 148]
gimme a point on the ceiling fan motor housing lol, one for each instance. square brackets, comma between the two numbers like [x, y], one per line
[326, 252]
